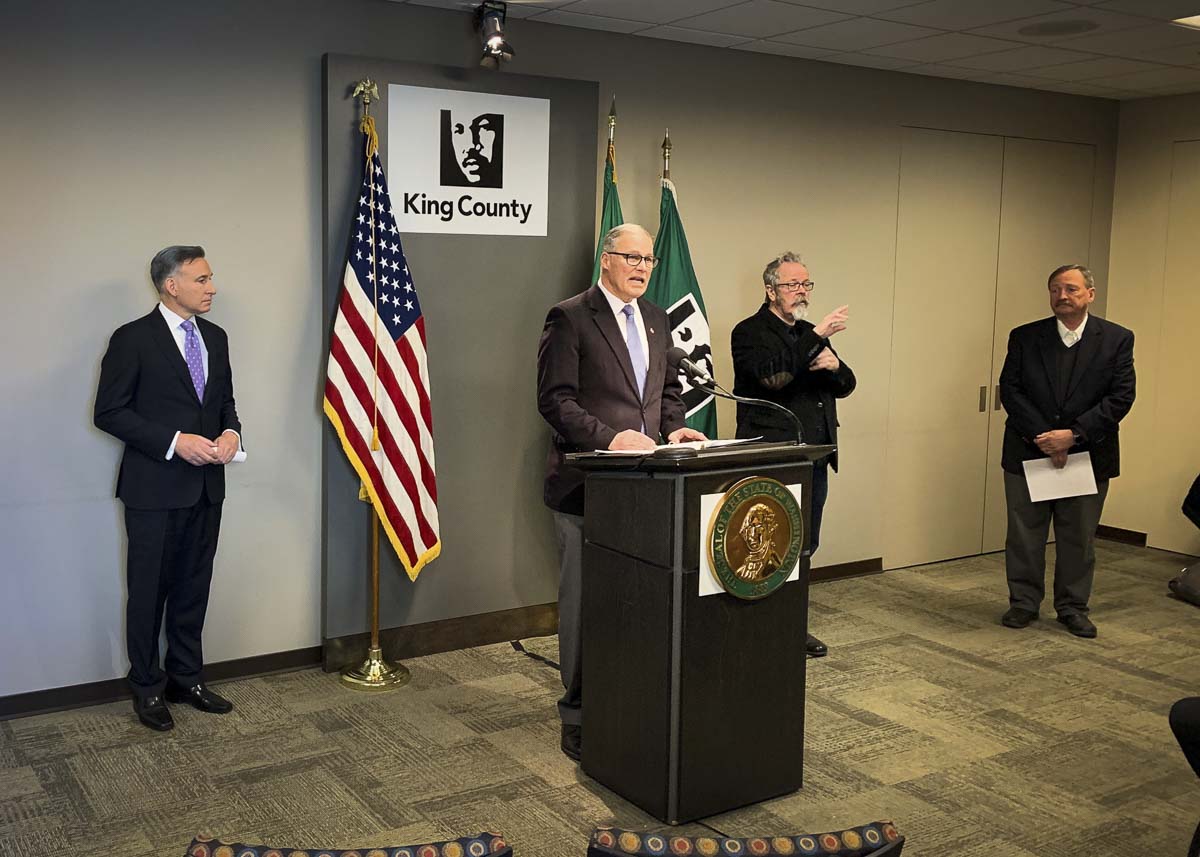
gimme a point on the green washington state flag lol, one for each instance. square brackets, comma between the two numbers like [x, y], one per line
[611, 215]
[673, 287]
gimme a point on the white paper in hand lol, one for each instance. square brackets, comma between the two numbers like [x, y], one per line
[1047, 482]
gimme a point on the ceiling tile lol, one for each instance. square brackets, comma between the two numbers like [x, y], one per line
[459, 5]
[1023, 59]
[762, 46]
[761, 19]
[965, 14]
[857, 33]
[697, 37]
[1177, 89]
[868, 61]
[1105, 22]
[1164, 10]
[1179, 55]
[939, 70]
[947, 46]
[525, 10]
[1151, 78]
[856, 7]
[590, 22]
[1134, 43]
[1081, 88]
[1089, 69]
[653, 11]
[1022, 80]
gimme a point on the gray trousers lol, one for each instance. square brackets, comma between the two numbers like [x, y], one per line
[1075, 521]
[569, 529]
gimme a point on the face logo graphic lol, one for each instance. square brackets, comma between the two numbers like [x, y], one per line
[756, 531]
[472, 150]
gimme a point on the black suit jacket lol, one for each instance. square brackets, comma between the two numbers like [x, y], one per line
[586, 390]
[146, 395]
[771, 363]
[1098, 395]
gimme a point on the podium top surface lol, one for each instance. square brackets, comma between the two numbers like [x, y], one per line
[687, 460]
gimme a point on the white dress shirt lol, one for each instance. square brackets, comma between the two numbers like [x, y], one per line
[618, 309]
[1070, 337]
[175, 323]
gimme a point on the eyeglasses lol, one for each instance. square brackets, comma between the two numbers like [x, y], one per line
[635, 259]
[793, 287]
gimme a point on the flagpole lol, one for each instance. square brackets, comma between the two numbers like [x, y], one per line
[666, 150]
[374, 673]
[612, 120]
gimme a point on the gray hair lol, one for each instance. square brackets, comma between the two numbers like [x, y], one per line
[771, 272]
[167, 262]
[1088, 279]
[612, 236]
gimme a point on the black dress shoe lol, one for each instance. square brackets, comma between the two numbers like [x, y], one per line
[814, 648]
[1079, 625]
[199, 697]
[572, 741]
[153, 712]
[1016, 617]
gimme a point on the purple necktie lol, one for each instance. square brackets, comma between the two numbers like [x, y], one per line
[195, 360]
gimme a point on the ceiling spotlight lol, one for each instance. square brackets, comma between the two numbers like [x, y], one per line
[489, 21]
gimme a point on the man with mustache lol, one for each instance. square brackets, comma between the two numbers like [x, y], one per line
[1067, 383]
[603, 383]
[780, 356]
[166, 392]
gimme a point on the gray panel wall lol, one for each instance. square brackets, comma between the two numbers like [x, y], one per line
[483, 298]
[129, 126]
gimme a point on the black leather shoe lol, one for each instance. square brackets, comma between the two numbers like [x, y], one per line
[572, 741]
[1016, 617]
[814, 648]
[199, 697]
[153, 712]
[1079, 625]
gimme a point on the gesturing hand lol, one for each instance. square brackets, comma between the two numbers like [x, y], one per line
[825, 360]
[833, 322]
[227, 446]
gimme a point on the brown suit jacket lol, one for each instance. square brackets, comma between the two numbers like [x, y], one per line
[586, 389]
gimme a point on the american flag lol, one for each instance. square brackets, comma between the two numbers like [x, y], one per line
[378, 379]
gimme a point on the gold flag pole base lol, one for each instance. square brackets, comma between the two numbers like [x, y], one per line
[375, 674]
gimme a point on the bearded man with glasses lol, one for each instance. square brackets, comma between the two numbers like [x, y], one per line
[780, 356]
[603, 383]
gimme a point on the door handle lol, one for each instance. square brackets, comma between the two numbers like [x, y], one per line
[996, 401]
[983, 399]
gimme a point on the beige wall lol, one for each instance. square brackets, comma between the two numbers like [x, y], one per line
[131, 126]
[1156, 224]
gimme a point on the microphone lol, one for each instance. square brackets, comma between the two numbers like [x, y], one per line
[678, 360]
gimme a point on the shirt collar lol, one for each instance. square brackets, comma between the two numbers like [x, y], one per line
[1077, 333]
[172, 317]
[614, 302]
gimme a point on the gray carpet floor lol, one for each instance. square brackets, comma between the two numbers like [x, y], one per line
[975, 739]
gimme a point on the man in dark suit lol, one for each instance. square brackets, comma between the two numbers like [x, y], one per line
[166, 391]
[1066, 384]
[780, 356]
[603, 383]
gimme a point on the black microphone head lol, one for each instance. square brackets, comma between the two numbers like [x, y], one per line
[675, 354]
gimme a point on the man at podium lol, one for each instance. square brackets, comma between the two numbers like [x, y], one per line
[603, 382]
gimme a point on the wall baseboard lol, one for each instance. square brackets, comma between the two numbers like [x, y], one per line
[116, 689]
[445, 635]
[1116, 534]
[843, 570]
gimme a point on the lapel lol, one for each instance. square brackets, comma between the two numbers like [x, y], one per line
[657, 366]
[607, 322]
[209, 339]
[1047, 342]
[1087, 346]
[161, 333]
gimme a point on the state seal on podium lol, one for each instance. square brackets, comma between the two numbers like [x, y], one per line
[755, 537]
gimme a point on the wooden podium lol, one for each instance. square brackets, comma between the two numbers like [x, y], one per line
[692, 705]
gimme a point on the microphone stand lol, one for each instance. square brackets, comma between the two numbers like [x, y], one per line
[708, 383]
